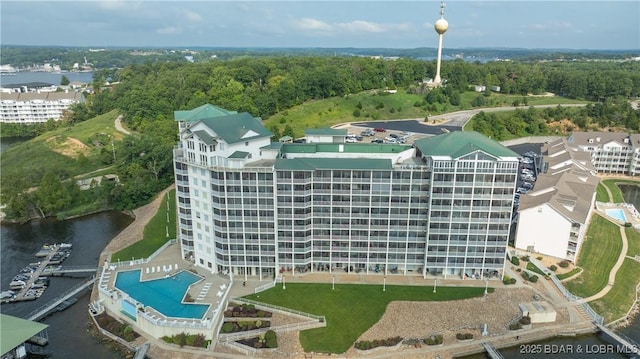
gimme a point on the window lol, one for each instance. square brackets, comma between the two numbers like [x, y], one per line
[246, 143]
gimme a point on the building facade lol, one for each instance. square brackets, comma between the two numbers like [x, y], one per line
[36, 107]
[256, 208]
[611, 152]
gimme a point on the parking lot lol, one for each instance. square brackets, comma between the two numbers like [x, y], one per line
[378, 136]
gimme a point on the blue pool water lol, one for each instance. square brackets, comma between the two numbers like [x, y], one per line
[616, 213]
[164, 295]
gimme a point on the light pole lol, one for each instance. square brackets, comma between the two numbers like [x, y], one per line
[435, 283]
[384, 284]
[333, 282]
[486, 287]
[284, 285]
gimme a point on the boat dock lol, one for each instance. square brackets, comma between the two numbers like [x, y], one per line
[29, 287]
[45, 309]
[630, 347]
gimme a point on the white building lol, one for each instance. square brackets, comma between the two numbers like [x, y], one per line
[36, 107]
[256, 208]
[554, 216]
[611, 152]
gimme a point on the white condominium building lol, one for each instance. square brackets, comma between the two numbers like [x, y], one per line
[33, 107]
[255, 208]
[611, 152]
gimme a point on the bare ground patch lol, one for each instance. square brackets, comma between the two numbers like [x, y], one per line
[67, 146]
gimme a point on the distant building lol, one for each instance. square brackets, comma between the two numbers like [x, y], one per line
[611, 152]
[479, 88]
[495, 88]
[554, 216]
[36, 107]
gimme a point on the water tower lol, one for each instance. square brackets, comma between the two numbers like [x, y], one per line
[441, 27]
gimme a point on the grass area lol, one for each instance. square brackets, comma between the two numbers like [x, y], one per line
[532, 267]
[569, 274]
[155, 233]
[598, 255]
[602, 195]
[633, 239]
[57, 150]
[335, 110]
[350, 309]
[621, 297]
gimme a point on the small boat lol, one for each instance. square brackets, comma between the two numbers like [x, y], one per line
[17, 284]
[66, 245]
[7, 294]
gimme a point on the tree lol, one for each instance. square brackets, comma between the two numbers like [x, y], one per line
[64, 81]
[51, 196]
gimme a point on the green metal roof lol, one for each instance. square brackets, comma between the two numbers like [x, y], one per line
[239, 154]
[199, 113]
[459, 143]
[237, 127]
[326, 131]
[15, 331]
[272, 146]
[346, 148]
[205, 137]
[310, 164]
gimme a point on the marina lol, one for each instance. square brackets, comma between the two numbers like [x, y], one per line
[31, 282]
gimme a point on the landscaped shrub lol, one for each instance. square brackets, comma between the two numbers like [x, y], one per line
[436, 339]
[227, 327]
[515, 326]
[553, 268]
[464, 336]
[515, 261]
[116, 328]
[182, 339]
[246, 311]
[271, 339]
[525, 258]
[506, 280]
[563, 264]
[366, 345]
[526, 320]
[628, 224]
[533, 278]
[539, 258]
[512, 281]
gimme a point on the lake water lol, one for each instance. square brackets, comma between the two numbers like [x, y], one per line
[68, 336]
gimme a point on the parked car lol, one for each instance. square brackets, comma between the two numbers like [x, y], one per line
[394, 135]
[351, 140]
[377, 140]
[379, 129]
[359, 138]
[390, 140]
[368, 133]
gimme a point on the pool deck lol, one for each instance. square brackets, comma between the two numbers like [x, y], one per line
[630, 212]
[208, 290]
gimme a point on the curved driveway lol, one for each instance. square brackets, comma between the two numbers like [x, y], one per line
[453, 121]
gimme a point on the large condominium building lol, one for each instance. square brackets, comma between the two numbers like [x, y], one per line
[252, 207]
[554, 216]
[36, 107]
[611, 152]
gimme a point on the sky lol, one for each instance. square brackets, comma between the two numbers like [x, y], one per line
[529, 24]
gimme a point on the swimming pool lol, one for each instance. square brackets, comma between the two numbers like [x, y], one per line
[616, 213]
[164, 295]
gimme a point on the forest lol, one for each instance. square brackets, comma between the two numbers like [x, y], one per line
[148, 93]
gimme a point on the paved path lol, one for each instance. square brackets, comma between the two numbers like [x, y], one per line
[118, 124]
[614, 270]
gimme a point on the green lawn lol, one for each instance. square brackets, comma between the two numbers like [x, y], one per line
[598, 255]
[602, 195]
[44, 147]
[633, 239]
[621, 297]
[350, 309]
[569, 274]
[155, 233]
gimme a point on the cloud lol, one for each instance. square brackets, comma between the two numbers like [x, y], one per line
[551, 26]
[193, 16]
[362, 26]
[168, 30]
[311, 24]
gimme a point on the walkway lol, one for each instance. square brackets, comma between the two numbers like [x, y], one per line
[614, 270]
[118, 124]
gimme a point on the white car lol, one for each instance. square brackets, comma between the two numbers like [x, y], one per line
[351, 140]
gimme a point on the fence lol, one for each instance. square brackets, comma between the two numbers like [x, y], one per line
[278, 308]
[595, 317]
[265, 287]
